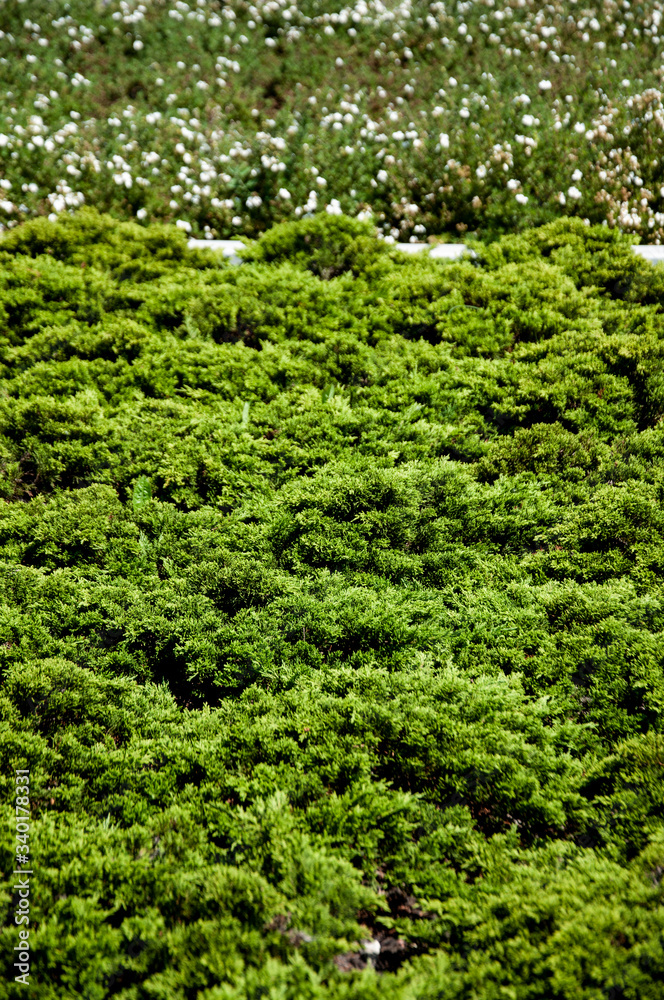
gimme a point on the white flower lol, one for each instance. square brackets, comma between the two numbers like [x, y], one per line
[183, 224]
[544, 85]
[528, 120]
[334, 208]
[580, 128]
[452, 82]
[283, 193]
[577, 175]
[312, 203]
[371, 947]
[180, 65]
[123, 177]
[365, 215]
[236, 221]
[138, 45]
[141, 214]
[464, 112]
[513, 184]
[382, 176]
[522, 199]
[574, 192]
[481, 171]
[444, 140]
[338, 62]
[561, 198]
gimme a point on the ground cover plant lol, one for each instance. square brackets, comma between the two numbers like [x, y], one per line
[332, 612]
[434, 119]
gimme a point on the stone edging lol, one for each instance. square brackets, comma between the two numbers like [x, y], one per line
[443, 251]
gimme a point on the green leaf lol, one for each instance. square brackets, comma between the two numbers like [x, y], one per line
[191, 327]
[142, 492]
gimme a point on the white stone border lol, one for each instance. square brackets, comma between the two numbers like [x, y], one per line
[443, 251]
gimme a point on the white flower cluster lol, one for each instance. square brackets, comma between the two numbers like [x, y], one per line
[185, 153]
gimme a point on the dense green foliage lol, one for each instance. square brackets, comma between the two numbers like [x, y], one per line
[332, 612]
[432, 117]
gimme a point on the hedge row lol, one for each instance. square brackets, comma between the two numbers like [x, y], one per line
[332, 615]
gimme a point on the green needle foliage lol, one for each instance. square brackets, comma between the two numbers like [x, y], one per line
[332, 615]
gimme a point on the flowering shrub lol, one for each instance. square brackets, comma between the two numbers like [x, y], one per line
[332, 613]
[431, 119]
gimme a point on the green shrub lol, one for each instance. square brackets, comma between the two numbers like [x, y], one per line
[326, 246]
[331, 611]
